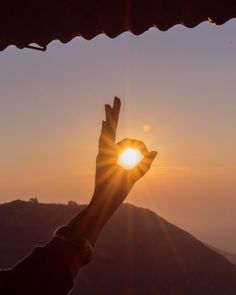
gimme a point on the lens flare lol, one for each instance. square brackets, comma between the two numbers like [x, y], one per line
[129, 158]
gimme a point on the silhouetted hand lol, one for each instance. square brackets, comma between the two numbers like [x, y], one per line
[112, 182]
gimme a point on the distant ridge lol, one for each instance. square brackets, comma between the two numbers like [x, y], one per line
[230, 256]
[137, 253]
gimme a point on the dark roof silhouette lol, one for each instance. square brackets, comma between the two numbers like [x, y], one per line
[25, 22]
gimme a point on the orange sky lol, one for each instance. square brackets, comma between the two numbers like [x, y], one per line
[178, 95]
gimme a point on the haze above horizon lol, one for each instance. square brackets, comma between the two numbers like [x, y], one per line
[178, 96]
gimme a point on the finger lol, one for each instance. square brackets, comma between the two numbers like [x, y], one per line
[101, 137]
[116, 109]
[146, 163]
[111, 122]
[115, 117]
[132, 143]
[109, 127]
[109, 113]
[105, 141]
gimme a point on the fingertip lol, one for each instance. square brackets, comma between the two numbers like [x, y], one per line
[116, 103]
[153, 154]
[107, 107]
[117, 99]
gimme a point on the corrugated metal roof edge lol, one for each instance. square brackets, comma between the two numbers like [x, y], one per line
[43, 45]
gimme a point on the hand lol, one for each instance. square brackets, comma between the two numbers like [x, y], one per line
[112, 182]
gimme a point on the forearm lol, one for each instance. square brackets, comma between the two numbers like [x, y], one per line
[89, 222]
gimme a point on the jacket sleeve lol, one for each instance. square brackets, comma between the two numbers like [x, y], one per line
[47, 270]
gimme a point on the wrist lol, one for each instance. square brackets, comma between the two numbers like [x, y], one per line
[75, 250]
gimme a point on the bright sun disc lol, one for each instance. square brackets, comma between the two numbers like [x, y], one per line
[129, 158]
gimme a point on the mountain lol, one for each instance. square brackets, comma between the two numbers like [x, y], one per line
[138, 252]
[230, 256]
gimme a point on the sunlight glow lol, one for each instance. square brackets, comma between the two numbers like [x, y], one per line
[129, 158]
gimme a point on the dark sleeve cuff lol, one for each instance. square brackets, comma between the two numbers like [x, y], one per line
[41, 272]
[80, 246]
[50, 269]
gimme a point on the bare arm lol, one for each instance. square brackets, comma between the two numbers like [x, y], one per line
[51, 269]
[112, 182]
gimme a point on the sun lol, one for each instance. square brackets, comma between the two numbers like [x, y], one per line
[129, 158]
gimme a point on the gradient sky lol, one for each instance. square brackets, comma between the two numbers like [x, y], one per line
[180, 83]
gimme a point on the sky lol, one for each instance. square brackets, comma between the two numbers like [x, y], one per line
[178, 96]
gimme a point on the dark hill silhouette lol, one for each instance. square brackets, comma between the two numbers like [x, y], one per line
[230, 256]
[137, 253]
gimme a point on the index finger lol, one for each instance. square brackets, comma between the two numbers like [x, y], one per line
[132, 143]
